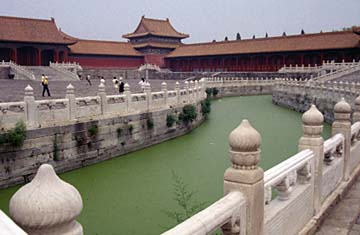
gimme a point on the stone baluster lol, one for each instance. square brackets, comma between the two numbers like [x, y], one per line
[246, 176]
[147, 91]
[128, 100]
[312, 128]
[177, 89]
[31, 113]
[187, 89]
[356, 114]
[103, 99]
[192, 91]
[164, 90]
[202, 93]
[47, 205]
[196, 91]
[342, 124]
[70, 95]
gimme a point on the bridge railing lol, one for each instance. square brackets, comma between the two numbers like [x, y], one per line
[230, 209]
[51, 112]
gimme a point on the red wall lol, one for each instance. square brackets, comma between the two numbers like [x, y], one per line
[107, 61]
[155, 59]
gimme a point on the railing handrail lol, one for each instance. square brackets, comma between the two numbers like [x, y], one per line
[230, 207]
[8, 227]
[355, 128]
[333, 142]
[278, 172]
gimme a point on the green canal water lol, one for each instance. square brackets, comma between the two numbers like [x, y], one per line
[129, 194]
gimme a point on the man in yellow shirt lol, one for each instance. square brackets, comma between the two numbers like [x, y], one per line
[45, 84]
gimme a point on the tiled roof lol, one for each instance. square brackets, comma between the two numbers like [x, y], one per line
[97, 47]
[155, 27]
[30, 30]
[319, 41]
[156, 44]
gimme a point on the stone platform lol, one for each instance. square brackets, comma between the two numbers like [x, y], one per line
[344, 219]
[13, 90]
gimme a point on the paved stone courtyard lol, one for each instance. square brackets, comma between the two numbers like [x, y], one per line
[344, 217]
[13, 90]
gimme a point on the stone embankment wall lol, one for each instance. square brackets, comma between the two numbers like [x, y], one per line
[233, 86]
[300, 95]
[74, 132]
[72, 146]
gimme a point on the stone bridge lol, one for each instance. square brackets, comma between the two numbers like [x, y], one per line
[293, 197]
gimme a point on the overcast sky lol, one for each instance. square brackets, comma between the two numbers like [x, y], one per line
[204, 20]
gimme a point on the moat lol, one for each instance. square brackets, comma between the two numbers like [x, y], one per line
[129, 194]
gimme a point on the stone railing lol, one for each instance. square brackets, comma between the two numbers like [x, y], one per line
[299, 95]
[306, 184]
[19, 70]
[69, 70]
[229, 210]
[327, 69]
[334, 74]
[36, 113]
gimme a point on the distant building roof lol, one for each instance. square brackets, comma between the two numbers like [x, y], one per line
[156, 45]
[97, 47]
[306, 42]
[30, 30]
[155, 27]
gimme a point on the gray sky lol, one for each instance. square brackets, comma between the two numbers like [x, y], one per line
[203, 20]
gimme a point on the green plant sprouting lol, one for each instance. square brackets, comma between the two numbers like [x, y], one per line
[170, 119]
[188, 114]
[16, 136]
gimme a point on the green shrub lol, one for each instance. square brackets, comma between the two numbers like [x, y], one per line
[119, 132]
[215, 91]
[188, 114]
[209, 92]
[205, 107]
[55, 149]
[170, 120]
[93, 130]
[131, 128]
[15, 136]
[149, 123]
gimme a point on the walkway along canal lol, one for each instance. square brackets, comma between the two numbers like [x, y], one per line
[127, 195]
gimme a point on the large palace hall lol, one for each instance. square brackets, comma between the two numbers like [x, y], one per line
[37, 42]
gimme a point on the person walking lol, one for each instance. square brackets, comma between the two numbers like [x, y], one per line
[88, 79]
[45, 84]
[142, 83]
[121, 85]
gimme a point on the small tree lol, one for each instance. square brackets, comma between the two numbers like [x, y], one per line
[226, 39]
[188, 114]
[253, 36]
[266, 35]
[284, 34]
[238, 37]
[184, 198]
[302, 31]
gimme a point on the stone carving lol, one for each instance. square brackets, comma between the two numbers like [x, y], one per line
[244, 144]
[47, 205]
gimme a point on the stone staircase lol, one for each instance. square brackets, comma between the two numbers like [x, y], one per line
[53, 74]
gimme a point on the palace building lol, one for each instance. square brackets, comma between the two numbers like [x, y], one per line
[35, 42]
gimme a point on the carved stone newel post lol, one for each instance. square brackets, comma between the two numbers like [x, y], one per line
[246, 176]
[70, 95]
[356, 114]
[312, 128]
[47, 205]
[342, 124]
[103, 99]
[31, 115]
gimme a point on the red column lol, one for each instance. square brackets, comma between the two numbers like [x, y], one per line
[38, 56]
[301, 59]
[56, 56]
[14, 55]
